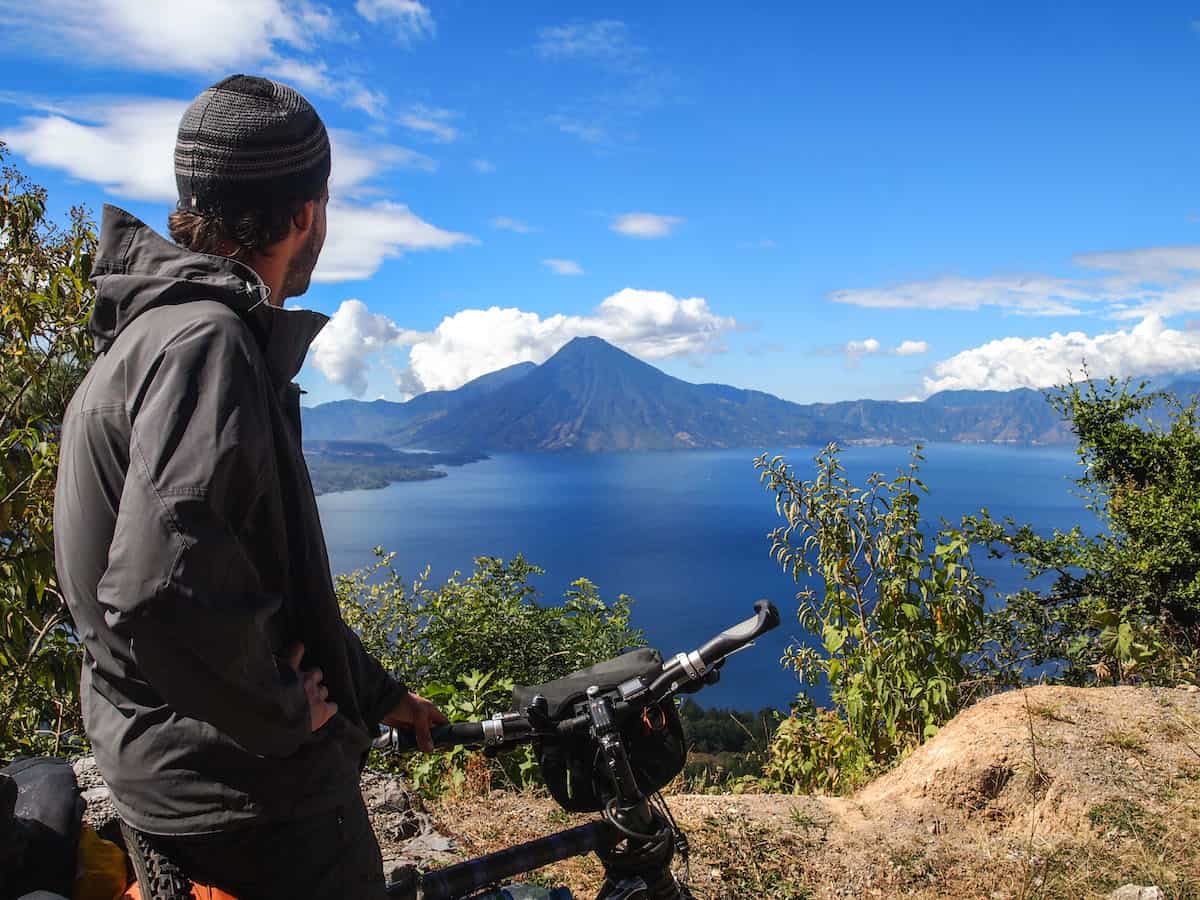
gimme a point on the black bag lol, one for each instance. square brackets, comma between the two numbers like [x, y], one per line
[41, 814]
[572, 767]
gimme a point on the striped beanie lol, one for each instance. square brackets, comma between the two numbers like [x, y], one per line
[249, 143]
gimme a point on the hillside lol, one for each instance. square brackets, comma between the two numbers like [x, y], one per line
[1051, 792]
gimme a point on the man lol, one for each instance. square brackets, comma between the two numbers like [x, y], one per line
[229, 706]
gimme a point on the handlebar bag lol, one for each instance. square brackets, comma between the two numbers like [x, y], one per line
[572, 767]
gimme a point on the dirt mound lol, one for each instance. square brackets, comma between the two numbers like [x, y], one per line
[1046, 756]
[1050, 792]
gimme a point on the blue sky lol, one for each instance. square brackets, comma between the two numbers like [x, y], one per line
[873, 200]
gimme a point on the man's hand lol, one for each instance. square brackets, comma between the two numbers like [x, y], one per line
[319, 706]
[417, 713]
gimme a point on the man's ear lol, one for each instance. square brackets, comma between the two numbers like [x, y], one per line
[303, 217]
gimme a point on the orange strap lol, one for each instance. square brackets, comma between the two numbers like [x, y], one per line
[199, 892]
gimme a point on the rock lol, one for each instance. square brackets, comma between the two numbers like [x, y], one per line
[1137, 892]
[99, 811]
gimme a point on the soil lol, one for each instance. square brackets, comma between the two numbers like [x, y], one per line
[1049, 792]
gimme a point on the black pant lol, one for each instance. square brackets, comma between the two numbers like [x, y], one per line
[333, 856]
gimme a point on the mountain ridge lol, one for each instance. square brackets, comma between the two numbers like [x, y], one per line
[591, 396]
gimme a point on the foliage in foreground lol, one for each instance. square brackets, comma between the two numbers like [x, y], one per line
[45, 349]
[900, 633]
[1124, 605]
[896, 616]
[466, 643]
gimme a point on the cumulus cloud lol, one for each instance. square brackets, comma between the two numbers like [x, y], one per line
[507, 223]
[650, 324]
[340, 351]
[483, 166]
[911, 348]
[563, 266]
[1149, 348]
[410, 20]
[432, 122]
[127, 148]
[645, 225]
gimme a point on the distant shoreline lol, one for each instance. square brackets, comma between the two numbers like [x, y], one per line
[338, 466]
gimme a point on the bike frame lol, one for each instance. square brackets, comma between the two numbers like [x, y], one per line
[635, 842]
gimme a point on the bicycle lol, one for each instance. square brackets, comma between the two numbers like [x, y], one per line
[607, 738]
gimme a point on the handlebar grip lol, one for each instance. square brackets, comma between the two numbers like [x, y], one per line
[404, 740]
[732, 639]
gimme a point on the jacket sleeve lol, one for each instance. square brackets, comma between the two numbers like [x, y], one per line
[179, 584]
[378, 693]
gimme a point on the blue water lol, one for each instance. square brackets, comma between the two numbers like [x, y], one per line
[684, 533]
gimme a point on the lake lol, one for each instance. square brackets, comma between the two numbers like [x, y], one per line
[684, 533]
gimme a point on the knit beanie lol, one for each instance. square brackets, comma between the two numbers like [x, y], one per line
[249, 143]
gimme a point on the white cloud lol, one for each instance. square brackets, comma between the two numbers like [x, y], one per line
[127, 148]
[1032, 295]
[650, 324]
[911, 348]
[1149, 348]
[606, 40]
[860, 348]
[1126, 284]
[645, 225]
[563, 266]
[1146, 264]
[173, 36]
[410, 19]
[585, 131]
[315, 77]
[483, 166]
[506, 223]
[606, 43]
[356, 163]
[340, 351]
[165, 35]
[431, 121]
[361, 237]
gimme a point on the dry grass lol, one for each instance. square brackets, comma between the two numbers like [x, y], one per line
[1045, 794]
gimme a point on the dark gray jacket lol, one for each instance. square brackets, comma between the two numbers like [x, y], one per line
[190, 551]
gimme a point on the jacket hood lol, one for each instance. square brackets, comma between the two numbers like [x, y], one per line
[136, 270]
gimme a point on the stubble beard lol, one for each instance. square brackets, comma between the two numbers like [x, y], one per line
[298, 275]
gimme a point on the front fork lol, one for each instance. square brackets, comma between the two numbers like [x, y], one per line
[641, 869]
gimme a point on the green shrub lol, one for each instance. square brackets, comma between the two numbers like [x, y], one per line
[894, 620]
[1122, 605]
[467, 642]
[45, 349]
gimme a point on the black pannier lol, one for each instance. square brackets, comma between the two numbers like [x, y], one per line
[572, 767]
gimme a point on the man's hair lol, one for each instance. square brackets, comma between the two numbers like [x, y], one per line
[242, 236]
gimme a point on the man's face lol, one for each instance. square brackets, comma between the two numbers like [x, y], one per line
[298, 274]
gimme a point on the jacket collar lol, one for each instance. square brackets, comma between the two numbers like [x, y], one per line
[136, 270]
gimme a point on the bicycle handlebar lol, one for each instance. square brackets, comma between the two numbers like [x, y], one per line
[765, 617]
[682, 670]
